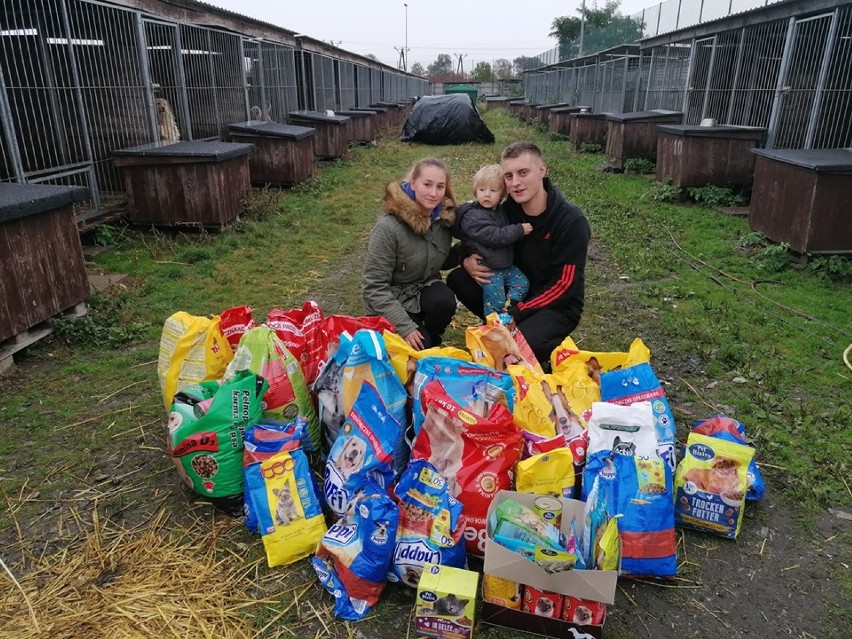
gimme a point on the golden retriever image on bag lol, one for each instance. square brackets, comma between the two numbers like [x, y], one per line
[166, 121]
[351, 457]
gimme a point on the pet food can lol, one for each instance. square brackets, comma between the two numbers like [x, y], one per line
[549, 509]
[583, 612]
[501, 592]
[542, 603]
[202, 407]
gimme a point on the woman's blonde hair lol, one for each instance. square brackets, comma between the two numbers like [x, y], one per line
[418, 167]
[490, 174]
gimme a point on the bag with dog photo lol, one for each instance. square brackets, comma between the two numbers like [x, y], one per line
[362, 451]
[367, 361]
[431, 524]
[636, 384]
[579, 372]
[499, 344]
[711, 484]
[353, 558]
[474, 387]
[205, 436]
[474, 454]
[281, 502]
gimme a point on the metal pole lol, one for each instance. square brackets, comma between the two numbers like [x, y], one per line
[182, 85]
[772, 128]
[405, 56]
[9, 132]
[145, 72]
[582, 27]
[689, 69]
[709, 81]
[823, 74]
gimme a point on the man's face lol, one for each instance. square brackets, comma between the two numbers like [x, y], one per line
[524, 175]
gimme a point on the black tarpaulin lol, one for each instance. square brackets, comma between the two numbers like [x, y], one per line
[445, 119]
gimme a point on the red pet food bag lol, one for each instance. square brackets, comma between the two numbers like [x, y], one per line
[474, 454]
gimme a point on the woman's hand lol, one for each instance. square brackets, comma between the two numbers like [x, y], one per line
[480, 273]
[415, 340]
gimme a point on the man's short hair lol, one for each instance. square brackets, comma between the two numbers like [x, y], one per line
[517, 149]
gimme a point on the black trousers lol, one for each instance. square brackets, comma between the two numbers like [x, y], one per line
[544, 330]
[437, 307]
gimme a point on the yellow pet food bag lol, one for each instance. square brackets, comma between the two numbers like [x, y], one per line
[192, 350]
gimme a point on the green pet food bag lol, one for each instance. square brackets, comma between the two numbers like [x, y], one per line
[205, 439]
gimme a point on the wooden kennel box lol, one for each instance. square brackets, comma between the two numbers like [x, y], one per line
[283, 154]
[634, 135]
[332, 132]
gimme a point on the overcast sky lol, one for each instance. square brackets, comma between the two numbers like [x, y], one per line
[484, 30]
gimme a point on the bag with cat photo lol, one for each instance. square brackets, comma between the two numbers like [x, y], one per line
[281, 504]
[353, 558]
[636, 384]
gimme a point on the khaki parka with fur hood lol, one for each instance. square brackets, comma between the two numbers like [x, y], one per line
[406, 252]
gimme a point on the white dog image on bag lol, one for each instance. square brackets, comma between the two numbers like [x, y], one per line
[351, 457]
[286, 511]
[166, 121]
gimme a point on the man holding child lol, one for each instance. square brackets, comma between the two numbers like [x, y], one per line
[552, 255]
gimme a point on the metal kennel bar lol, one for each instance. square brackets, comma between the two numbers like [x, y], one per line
[346, 84]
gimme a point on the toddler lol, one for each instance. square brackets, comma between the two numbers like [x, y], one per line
[484, 230]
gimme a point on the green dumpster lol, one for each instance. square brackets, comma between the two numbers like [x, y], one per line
[471, 90]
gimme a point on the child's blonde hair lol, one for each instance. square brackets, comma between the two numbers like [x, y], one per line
[490, 174]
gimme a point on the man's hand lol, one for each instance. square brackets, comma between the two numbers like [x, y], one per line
[415, 340]
[480, 273]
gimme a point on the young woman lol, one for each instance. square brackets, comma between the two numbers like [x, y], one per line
[409, 246]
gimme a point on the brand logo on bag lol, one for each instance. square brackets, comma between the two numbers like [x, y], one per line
[702, 452]
[415, 552]
[341, 534]
[196, 443]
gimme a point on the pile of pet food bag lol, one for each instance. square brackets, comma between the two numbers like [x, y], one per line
[334, 439]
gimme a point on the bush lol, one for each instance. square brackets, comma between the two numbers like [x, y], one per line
[834, 268]
[712, 195]
[587, 147]
[103, 325]
[640, 166]
[665, 191]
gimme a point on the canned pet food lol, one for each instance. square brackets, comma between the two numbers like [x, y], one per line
[202, 407]
[542, 603]
[583, 612]
[549, 509]
[501, 592]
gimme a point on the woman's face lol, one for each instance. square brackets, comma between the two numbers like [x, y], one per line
[429, 188]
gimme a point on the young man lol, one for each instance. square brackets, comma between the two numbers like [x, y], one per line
[553, 256]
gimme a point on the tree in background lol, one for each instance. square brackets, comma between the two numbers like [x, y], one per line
[502, 69]
[482, 72]
[372, 56]
[523, 63]
[604, 28]
[417, 69]
[441, 70]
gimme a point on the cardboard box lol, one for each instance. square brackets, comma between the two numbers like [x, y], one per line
[445, 603]
[597, 585]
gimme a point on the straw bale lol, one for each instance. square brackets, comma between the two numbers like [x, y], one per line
[151, 581]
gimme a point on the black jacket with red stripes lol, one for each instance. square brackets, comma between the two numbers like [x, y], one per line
[553, 256]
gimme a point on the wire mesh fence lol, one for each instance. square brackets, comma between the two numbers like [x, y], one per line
[82, 78]
[790, 75]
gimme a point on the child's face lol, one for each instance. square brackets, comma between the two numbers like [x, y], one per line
[489, 195]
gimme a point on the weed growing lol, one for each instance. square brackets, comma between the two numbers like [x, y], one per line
[639, 166]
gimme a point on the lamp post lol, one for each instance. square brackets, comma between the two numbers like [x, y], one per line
[405, 56]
